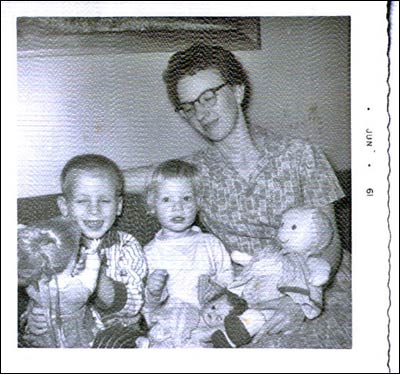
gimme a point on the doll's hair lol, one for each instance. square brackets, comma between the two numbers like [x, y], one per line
[201, 57]
[91, 162]
[45, 248]
[169, 170]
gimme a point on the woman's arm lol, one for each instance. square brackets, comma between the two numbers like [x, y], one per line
[136, 178]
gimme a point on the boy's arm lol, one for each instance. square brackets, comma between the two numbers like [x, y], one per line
[137, 178]
[106, 292]
[121, 290]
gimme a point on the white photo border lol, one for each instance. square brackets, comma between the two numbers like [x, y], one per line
[370, 253]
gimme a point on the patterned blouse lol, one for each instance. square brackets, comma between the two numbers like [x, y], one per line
[245, 214]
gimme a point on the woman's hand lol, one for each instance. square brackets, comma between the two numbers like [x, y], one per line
[287, 317]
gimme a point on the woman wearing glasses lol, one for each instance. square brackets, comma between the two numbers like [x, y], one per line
[250, 177]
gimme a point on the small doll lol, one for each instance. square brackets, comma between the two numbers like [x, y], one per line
[182, 325]
[45, 249]
[47, 255]
[293, 268]
[171, 326]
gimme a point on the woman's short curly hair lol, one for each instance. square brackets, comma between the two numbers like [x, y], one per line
[167, 170]
[201, 57]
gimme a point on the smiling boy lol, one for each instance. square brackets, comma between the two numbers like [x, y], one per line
[92, 188]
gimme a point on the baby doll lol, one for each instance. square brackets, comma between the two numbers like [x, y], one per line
[172, 326]
[293, 269]
[47, 254]
[185, 326]
[45, 249]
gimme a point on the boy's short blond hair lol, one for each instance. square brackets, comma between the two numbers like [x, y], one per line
[92, 162]
[168, 170]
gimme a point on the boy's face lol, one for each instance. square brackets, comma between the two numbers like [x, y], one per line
[175, 206]
[215, 312]
[91, 201]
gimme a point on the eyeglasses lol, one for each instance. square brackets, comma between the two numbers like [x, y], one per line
[207, 99]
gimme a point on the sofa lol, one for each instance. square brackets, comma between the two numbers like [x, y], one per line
[333, 329]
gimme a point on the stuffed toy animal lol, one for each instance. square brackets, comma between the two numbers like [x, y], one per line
[47, 254]
[292, 268]
[171, 326]
[45, 248]
[307, 232]
[303, 235]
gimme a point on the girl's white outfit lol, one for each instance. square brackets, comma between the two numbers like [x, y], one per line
[186, 258]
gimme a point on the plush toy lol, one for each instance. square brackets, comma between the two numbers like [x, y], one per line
[45, 249]
[171, 326]
[182, 325]
[291, 268]
[47, 255]
[307, 232]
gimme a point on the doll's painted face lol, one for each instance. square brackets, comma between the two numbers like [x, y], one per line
[215, 312]
[304, 231]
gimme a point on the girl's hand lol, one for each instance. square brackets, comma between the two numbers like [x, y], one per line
[156, 282]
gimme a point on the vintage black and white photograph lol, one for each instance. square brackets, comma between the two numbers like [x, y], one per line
[195, 182]
[184, 182]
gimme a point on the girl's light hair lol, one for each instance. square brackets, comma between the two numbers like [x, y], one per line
[168, 170]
